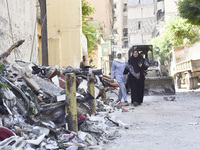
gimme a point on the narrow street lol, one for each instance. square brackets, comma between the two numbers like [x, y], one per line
[160, 124]
[63, 62]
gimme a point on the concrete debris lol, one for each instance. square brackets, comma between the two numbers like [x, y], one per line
[33, 112]
[171, 98]
[36, 141]
[13, 143]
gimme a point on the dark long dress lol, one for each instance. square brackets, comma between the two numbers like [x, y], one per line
[136, 84]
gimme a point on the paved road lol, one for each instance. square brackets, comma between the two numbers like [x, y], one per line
[161, 125]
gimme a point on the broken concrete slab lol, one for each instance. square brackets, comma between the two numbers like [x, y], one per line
[47, 86]
[13, 142]
[37, 141]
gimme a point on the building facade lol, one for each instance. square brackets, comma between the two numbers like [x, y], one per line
[141, 21]
[103, 15]
[137, 21]
[120, 28]
[64, 26]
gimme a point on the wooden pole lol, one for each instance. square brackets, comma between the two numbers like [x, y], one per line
[43, 8]
[92, 104]
[71, 107]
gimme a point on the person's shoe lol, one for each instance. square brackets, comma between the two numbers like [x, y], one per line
[126, 103]
[135, 103]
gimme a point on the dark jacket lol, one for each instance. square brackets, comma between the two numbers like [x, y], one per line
[134, 62]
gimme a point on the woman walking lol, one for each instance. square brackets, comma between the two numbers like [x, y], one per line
[118, 67]
[135, 67]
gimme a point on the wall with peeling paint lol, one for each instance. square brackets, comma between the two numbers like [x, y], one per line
[22, 21]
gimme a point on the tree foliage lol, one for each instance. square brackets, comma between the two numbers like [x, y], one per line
[190, 10]
[88, 29]
[176, 33]
[87, 9]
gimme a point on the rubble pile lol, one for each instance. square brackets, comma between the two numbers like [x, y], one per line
[33, 111]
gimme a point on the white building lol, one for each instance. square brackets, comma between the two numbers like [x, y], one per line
[120, 28]
[141, 21]
[136, 22]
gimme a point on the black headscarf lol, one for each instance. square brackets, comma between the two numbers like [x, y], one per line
[135, 61]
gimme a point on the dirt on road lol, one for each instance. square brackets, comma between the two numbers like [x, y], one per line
[159, 124]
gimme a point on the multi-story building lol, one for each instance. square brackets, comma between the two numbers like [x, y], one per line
[120, 28]
[136, 22]
[141, 21]
[159, 12]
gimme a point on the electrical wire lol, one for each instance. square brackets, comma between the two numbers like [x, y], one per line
[10, 24]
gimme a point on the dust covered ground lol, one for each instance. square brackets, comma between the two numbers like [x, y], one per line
[159, 124]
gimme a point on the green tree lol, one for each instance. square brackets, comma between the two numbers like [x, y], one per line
[179, 29]
[175, 31]
[88, 29]
[190, 10]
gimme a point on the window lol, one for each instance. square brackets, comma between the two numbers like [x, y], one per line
[125, 32]
[125, 20]
[125, 44]
[125, 8]
[139, 25]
